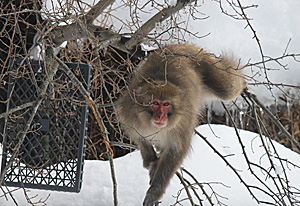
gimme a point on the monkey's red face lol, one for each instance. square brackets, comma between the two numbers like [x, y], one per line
[157, 105]
[161, 111]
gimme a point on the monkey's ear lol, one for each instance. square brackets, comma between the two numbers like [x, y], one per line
[142, 89]
[138, 90]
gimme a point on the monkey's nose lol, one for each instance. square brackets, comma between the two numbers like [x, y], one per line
[160, 114]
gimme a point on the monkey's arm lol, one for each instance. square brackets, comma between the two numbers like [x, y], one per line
[169, 161]
[148, 154]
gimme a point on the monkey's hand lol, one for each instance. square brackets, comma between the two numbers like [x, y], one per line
[152, 197]
[148, 163]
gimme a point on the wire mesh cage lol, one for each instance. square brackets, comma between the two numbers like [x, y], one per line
[52, 153]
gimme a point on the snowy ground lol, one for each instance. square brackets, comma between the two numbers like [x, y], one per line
[202, 162]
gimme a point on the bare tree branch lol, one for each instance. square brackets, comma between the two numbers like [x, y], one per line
[96, 10]
[274, 119]
[92, 105]
[186, 187]
[52, 69]
[150, 24]
[18, 108]
[228, 164]
[75, 31]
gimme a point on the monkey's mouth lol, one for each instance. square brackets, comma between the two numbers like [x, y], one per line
[159, 124]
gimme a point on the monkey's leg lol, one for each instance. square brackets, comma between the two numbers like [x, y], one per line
[224, 79]
[168, 163]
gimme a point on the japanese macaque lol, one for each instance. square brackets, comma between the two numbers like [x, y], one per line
[163, 102]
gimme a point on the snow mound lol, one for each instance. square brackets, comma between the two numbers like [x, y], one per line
[207, 167]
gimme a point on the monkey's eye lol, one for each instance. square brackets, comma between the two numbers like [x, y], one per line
[155, 103]
[166, 104]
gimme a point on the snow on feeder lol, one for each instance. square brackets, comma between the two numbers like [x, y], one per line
[52, 153]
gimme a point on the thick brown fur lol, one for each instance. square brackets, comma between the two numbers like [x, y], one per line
[187, 76]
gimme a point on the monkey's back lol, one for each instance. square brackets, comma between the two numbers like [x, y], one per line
[173, 64]
[220, 77]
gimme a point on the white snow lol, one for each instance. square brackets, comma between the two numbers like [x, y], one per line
[202, 162]
[172, 3]
[148, 47]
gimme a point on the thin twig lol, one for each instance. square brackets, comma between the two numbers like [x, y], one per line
[150, 24]
[96, 10]
[93, 106]
[250, 164]
[255, 37]
[22, 134]
[17, 108]
[200, 185]
[273, 118]
[186, 187]
[228, 164]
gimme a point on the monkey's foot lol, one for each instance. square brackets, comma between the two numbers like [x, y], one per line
[151, 199]
[149, 202]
